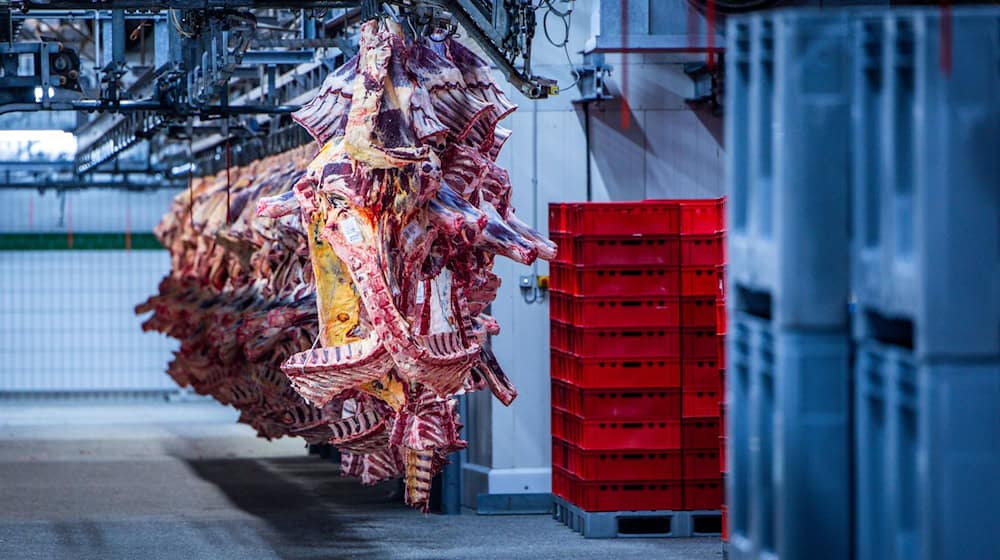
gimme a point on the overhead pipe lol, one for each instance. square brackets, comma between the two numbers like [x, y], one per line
[128, 105]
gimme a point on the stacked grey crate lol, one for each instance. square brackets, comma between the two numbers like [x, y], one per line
[788, 371]
[863, 163]
[926, 279]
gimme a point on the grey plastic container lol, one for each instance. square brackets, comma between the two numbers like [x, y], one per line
[926, 176]
[788, 397]
[787, 158]
[927, 456]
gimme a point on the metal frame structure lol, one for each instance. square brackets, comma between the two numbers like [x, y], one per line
[223, 72]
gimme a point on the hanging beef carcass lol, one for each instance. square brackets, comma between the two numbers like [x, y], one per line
[388, 238]
[406, 206]
[239, 297]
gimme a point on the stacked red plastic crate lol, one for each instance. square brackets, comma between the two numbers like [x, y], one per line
[703, 232]
[721, 329]
[635, 354]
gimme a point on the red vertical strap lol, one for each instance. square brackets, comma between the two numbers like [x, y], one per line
[710, 33]
[626, 111]
[190, 183]
[944, 49]
[128, 228]
[228, 183]
[69, 222]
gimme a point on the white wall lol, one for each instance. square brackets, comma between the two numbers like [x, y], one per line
[86, 211]
[66, 317]
[667, 151]
[67, 322]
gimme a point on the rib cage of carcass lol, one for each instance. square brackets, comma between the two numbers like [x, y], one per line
[239, 298]
[348, 308]
[405, 209]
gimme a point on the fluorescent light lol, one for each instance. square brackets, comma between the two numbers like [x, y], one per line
[21, 145]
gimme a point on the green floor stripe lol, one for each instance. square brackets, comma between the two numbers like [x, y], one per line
[81, 242]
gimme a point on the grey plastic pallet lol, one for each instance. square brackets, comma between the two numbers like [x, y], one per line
[926, 180]
[787, 166]
[926, 456]
[609, 525]
[788, 398]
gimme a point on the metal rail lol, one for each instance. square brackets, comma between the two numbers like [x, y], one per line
[157, 5]
[202, 45]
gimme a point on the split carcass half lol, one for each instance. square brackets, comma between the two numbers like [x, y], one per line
[406, 205]
[240, 298]
[347, 305]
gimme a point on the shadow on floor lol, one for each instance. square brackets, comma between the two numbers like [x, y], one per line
[309, 509]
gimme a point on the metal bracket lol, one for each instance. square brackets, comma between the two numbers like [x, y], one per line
[707, 84]
[592, 79]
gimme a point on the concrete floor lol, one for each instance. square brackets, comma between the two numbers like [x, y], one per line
[182, 480]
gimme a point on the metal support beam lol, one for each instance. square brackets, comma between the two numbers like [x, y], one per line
[46, 166]
[277, 57]
[113, 43]
[308, 25]
[167, 44]
[83, 14]
[30, 5]
[77, 184]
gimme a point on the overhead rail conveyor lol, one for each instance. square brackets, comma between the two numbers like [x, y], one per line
[207, 82]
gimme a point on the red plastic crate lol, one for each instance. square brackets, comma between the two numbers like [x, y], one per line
[617, 403]
[702, 216]
[562, 483]
[720, 316]
[631, 281]
[720, 271]
[606, 250]
[701, 403]
[560, 216]
[599, 373]
[628, 496]
[721, 353]
[615, 464]
[723, 441]
[699, 433]
[557, 426]
[697, 311]
[625, 218]
[617, 434]
[560, 453]
[701, 463]
[700, 281]
[587, 311]
[635, 343]
[699, 343]
[702, 250]
[701, 374]
[624, 311]
[703, 494]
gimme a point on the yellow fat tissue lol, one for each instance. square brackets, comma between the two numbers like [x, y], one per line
[339, 305]
[338, 301]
